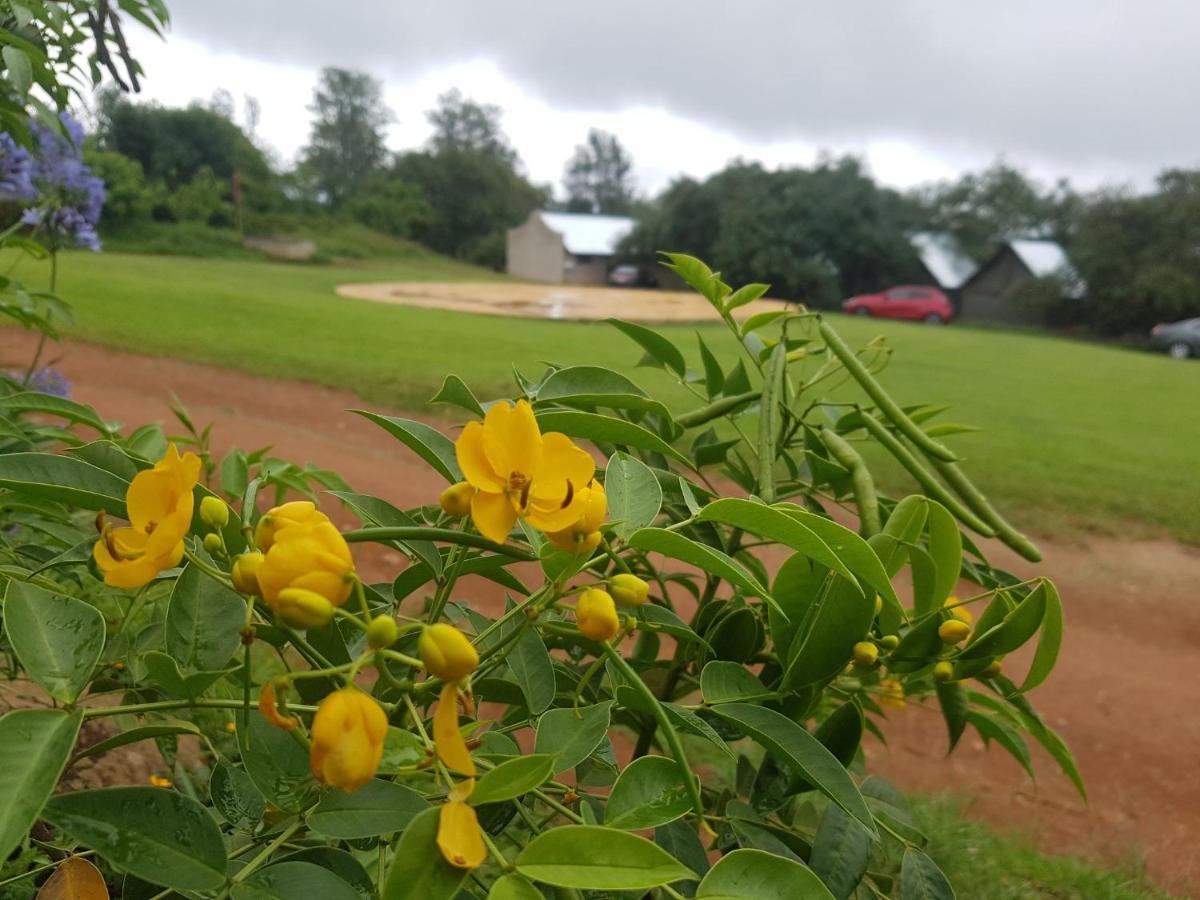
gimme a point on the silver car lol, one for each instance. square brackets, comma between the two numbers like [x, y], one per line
[1180, 339]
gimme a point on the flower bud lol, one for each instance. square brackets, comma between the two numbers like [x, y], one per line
[628, 590]
[865, 654]
[213, 545]
[878, 604]
[303, 609]
[959, 612]
[456, 499]
[890, 641]
[446, 653]
[245, 573]
[347, 739]
[382, 632]
[214, 512]
[943, 671]
[268, 706]
[596, 615]
[953, 630]
[298, 512]
[995, 667]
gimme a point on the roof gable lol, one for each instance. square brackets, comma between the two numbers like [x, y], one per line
[943, 259]
[584, 234]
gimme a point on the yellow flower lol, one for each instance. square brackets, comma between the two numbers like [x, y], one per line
[159, 782]
[959, 612]
[456, 499]
[302, 609]
[596, 615]
[446, 652]
[583, 535]
[892, 694]
[267, 705]
[865, 653]
[298, 512]
[953, 630]
[312, 555]
[459, 837]
[347, 739]
[628, 589]
[245, 573]
[159, 502]
[447, 737]
[519, 472]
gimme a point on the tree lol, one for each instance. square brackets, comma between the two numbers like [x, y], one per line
[388, 204]
[599, 177]
[460, 124]
[346, 144]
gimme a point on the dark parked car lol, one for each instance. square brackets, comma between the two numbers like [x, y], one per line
[1179, 339]
[906, 301]
[627, 275]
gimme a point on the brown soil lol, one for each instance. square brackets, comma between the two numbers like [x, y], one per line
[550, 301]
[1123, 695]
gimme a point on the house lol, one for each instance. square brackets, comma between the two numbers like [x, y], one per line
[988, 295]
[944, 262]
[565, 248]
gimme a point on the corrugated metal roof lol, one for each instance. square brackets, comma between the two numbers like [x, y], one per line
[944, 259]
[1044, 258]
[584, 234]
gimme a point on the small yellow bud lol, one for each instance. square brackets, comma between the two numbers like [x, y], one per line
[953, 630]
[959, 612]
[213, 545]
[889, 641]
[456, 499]
[382, 632]
[995, 667]
[943, 671]
[865, 654]
[245, 573]
[446, 652]
[878, 604]
[214, 512]
[628, 590]
[596, 615]
[302, 608]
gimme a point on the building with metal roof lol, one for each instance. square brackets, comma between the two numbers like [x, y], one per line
[944, 262]
[990, 294]
[565, 248]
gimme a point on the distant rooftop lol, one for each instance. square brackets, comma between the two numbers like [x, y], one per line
[1044, 258]
[585, 234]
[944, 259]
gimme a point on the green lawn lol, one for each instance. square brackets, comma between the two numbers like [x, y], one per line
[1075, 434]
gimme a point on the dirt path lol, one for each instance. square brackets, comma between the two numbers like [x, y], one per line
[551, 301]
[1123, 696]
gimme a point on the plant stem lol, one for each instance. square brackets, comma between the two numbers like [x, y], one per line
[41, 345]
[159, 705]
[263, 856]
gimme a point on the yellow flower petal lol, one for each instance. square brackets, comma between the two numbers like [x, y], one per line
[493, 515]
[561, 461]
[468, 449]
[459, 837]
[512, 439]
[447, 738]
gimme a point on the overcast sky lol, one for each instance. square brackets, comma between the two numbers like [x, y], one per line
[1096, 90]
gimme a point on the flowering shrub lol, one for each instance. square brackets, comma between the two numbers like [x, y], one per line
[698, 634]
[69, 198]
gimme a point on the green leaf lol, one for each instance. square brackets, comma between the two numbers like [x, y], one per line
[375, 512]
[35, 745]
[714, 377]
[633, 492]
[921, 879]
[204, 621]
[945, 546]
[454, 392]
[841, 851]
[236, 798]
[160, 836]
[660, 618]
[776, 525]
[378, 807]
[514, 778]
[19, 70]
[531, 667]
[756, 874]
[597, 386]
[992, 729]
[793, 746]
[428, 443]
[684, 549]
[294, 880]
[134, 735]
[401, 750]
[419, 872]
[1049, 641]
[340, 863]
[953, 701]
[603, 429]
[797, 585]
[514, 887]
[661, 350]
[57, 639]
[747, 293]
[572, 735]
[648, 793]
[276, 763]
[723, 682]
[760, 320]
[841, 618]
[904, 526]
[63, 479]
[164, 671]
[1018, 627]
[851, 548]
[35, 401]
[591, 857]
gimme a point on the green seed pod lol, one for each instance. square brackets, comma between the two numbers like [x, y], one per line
[865, 499]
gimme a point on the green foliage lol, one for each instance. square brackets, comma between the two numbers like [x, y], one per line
[599, 176]
[202, 199]
[128, 198]
[345, 146]
[390, 206]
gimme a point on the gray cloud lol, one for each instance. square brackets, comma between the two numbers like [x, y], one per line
[1069, 84]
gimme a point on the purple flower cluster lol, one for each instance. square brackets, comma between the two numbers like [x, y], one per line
[16, 170]
[69, 197]
[48, 381]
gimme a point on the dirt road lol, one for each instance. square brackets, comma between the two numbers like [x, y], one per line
[1124, 695]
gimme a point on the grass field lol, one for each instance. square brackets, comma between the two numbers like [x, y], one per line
[1075, 434]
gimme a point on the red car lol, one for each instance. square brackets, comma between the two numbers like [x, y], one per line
[906, 301]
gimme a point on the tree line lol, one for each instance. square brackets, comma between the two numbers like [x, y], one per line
[817, 233]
